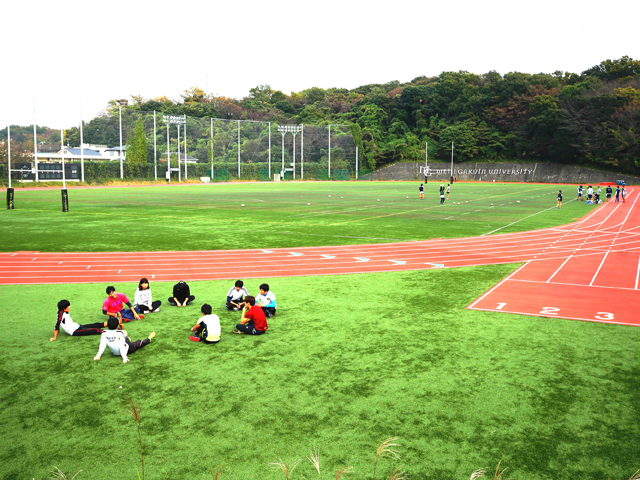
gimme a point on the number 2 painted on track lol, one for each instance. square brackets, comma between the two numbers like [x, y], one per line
[549, 311]
[500, 305]
[605, 316]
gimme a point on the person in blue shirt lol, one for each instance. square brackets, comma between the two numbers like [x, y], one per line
[421, 191]
[559, 204]
[266, 300]
[580, 193]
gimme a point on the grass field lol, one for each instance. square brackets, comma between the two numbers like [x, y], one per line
[210, 217]
[348, 361]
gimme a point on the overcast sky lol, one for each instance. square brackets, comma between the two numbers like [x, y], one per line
[74, 57]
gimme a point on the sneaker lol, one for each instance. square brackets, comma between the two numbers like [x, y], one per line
[235, 330]
[156, 310]
[235, 309]
[152, 335]
[194, 339]
[141, 316]
[269, 315]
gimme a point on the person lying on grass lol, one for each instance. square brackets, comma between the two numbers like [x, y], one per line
[143, 299]
[266, 300]
[114, 304]
[253, 321]
[65, 321]
[207, 329]
[235, 296]
[181, 295]
[119, 342]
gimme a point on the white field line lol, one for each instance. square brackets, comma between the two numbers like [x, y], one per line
[557, 317]
[500, 283]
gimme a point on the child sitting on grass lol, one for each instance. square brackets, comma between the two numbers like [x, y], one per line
[118, 341]
[114, 305]
[181, 295]
[65, 321]
[207, 329]
[253, 321]
[266, 300]
[235, 296]
[143, 299]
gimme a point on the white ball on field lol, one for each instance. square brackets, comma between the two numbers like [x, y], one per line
[329, 196]
[308, 204]
[341, 197]
[492, 204]
[242, 205]
[518, 201]
[378, 199]
[466, 201]
[407, 197]
[120, 386]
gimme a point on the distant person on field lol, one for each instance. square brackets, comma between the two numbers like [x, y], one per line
[608, 192]
[448, 189]
[113, 306]
[181, 295]
[65, 321]
[421, 189]
[589, 194]
[266, 300]
[580, 193]
[441, 194]
[119, 342]
[235, 296]
[559, 204]
[207, 329]
[143, 299]
[597, 196]
[253, 321]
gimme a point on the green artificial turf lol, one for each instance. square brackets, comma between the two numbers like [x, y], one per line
[210, 217]
[348, 362]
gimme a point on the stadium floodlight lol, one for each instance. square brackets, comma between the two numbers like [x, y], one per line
[120, 103]
[293, 129]
[173, 120]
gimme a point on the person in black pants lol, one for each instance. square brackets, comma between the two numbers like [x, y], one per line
[181, 295]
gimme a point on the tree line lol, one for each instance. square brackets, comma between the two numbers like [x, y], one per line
[590, 118]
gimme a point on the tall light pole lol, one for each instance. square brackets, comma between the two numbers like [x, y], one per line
[120, 103]
[451, 162]
[293, 129]
[173, 120]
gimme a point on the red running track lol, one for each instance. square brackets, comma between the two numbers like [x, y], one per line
[586, 270]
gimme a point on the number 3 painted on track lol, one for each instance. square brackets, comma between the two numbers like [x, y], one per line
[549, 311]
[605, 316]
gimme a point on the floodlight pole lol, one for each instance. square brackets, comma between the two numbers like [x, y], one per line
[64, 180]
[185, 145]
[168, 151]
[329, 169]
[283, 133]
[426, 161]
[301, 151]
[120, 153]
[356, 162]
[35, 141]
[81, 146]
[178, 149]
[269, 150]
[212, 149]
[155, 151]
[9, 153]
[238, 149]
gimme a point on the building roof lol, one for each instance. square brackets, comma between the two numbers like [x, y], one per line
[87, 152]
[116, 149]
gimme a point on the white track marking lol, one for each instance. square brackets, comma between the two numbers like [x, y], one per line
[559, 268]
[328, 256]
[88, 267]
[637, 274]
[398, 262]
[119, 271]
[361, 259]
[500, 283]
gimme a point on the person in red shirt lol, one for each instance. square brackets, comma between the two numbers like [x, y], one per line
[253, 321]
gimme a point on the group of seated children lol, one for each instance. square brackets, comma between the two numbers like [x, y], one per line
[255, 311]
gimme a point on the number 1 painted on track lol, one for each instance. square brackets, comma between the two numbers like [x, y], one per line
[500, 305]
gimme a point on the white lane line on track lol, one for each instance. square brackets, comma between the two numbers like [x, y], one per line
[637, 274]
[599, 267]
[559, 268]
[496, 286]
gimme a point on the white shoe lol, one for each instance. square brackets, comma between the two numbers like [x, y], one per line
[156, 310]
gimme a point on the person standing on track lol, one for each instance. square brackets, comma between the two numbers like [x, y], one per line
[559, 204]
[580, 193]
[65, 321]
[623, 193]
[608, 192]
[617, 194]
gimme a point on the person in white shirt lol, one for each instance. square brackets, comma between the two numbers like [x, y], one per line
[235, 296]
[143, 298]
[207, 330]
[118, 342]
[590, 194]
[266, 300]
[64, 320]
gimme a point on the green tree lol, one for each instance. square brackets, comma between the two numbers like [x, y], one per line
[137, 148]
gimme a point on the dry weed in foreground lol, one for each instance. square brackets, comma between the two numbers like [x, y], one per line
[479, 473]
[498, 474]
[635, 476]
[216, 476]
[314, 458]
[133, 411]
[342, 471]
[286, 469]
[59, 474]
[385, 450]
[398, 475]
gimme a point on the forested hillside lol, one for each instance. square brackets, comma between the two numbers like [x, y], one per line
[591, 118]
